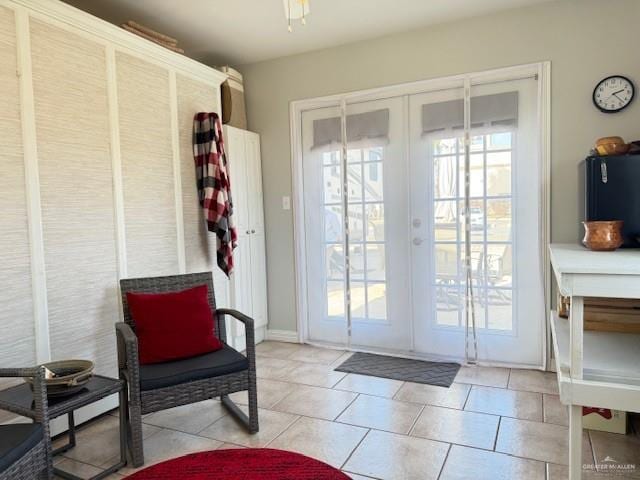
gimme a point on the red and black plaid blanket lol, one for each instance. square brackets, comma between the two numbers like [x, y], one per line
[214, 188]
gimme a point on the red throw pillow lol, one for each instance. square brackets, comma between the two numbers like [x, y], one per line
[175, 325]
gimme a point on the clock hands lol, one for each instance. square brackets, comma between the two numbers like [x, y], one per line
[615, 94]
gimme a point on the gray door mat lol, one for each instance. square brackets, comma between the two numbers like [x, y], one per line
[419, 371]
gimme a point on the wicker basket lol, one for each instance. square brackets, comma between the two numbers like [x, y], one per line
[70, 377]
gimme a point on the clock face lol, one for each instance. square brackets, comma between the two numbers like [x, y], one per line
[613, 94]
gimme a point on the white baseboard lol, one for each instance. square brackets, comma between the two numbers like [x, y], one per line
[283, 336]
[261, 334]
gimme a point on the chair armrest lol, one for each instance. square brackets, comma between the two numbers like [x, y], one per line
[41, 406]
[127, 347]
[248, 332]
[248, 321]
[128, 363]
[20, 372]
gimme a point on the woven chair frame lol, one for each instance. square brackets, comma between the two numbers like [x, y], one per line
[36, 463]
[148, 401]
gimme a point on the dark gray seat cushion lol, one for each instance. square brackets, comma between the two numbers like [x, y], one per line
[214, 364]
[16, 440]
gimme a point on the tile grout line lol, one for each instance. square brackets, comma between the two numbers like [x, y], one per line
[446, 457]
[355, 448]
[282, 432]
[345, 409]
[413, 425]
[466, 398]
[495, 442]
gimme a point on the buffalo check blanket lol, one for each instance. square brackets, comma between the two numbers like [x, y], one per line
[214, 188]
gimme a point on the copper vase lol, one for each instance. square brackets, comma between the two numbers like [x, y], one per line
[604, 236]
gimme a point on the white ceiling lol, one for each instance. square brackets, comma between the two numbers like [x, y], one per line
[244, 31]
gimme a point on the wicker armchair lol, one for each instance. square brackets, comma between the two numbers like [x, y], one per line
[165, 385]
[25, 448]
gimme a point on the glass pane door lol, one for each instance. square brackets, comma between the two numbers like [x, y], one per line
[324, 225]
[379, 278]
[437, 237]
[357, 264]
[505, 146]
[503, 220]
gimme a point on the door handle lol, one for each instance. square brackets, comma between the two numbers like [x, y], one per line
[417, 241]
[253, 231]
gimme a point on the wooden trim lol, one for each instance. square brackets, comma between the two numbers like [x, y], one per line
[177, 175]
[544, 94]
[288, 336]
[299, 233]
[32, 179]
[576, 322]
[116, 162]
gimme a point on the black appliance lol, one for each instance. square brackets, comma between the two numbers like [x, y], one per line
[612, 191]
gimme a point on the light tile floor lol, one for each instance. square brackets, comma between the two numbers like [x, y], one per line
[492, 423]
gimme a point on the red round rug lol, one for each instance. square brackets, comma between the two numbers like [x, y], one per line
[241, 464]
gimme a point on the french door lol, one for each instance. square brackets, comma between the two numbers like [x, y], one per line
[504, 221]
[386, 217]
[351, 204]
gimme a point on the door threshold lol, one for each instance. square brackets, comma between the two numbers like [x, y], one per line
[419, 355]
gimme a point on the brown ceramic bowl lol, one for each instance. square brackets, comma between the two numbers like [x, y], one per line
[604, 236]
[612, 146]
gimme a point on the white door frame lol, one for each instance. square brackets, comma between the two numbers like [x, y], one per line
[296, 108]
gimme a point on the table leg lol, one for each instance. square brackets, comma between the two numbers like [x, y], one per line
[71, 435]
[575, 442]
[123, 443]
[123, 413]
[72, 429]
[122, 417]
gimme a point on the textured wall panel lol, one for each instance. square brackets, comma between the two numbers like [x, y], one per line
[72, 123]
[147, 167]
[17, 343]
[200, 246]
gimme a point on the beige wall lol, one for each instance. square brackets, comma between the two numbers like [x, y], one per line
[585, 40]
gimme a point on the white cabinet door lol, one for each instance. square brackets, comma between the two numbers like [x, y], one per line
[254, 178]
[236, 158]
[241, 281]
[256, 217]
[259, 279]
[249, 283]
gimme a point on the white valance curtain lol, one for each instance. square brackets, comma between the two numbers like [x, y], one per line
[363, 129]
[487, 111]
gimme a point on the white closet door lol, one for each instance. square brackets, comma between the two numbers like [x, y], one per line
[17, 342]
[257, 232]
[144, 114]
[239, 171]
[195, 96]
[72, 122]
[254, 179]
[235, 148]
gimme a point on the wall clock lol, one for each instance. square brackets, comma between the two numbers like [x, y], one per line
[613, 94]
